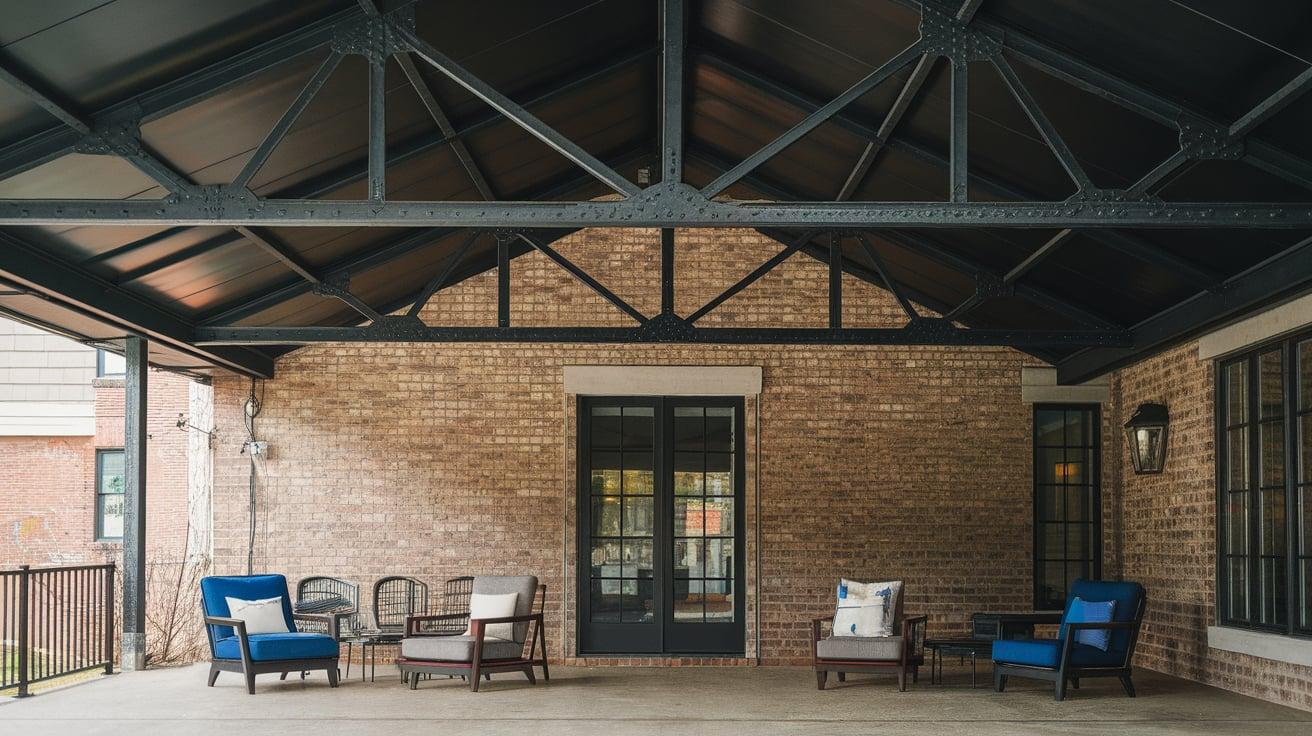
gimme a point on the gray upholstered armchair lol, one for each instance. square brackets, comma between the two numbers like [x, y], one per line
[429, 648]
[901, 653]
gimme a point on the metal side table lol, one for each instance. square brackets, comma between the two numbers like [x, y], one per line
[973, 648]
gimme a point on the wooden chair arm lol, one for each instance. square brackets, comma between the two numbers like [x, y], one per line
[913, 635]
[526, 618]
[235, 623]
[1093, 625]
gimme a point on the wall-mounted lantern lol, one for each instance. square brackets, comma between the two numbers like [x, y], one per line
[1146, 434]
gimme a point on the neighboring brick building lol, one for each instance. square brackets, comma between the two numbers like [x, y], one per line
[61, 439]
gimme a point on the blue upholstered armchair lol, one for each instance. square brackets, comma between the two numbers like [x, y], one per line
[1068, 657]
[233, 650]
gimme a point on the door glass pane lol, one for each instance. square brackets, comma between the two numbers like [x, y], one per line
[1305, 448]
[689, 472]
[605, 427]
[605, 516]
[688, 558]
[1237, 458]
[1237, 526]
[639, 427]
[638, 601]
[111, 516]
[719, 517]
[689, 428]
[605, 601]
[1077, 428]
[1236, 389]
[689, 517]
[606, 558]
[688, 596]
[638, 475]
[637, 559]
[719, 429]
[719, 558]
[638, 519]
[1271, 445]
[1066, 494]
[606, 473]
[719, 600]
[1271, 384]
[1238, 590]
[1272, 526]
[1271, 589]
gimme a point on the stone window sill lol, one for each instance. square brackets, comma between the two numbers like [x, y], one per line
[1289, 649]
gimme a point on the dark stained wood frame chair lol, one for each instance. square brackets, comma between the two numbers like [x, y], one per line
[911, 660]
[477, 667]
[1066, 672]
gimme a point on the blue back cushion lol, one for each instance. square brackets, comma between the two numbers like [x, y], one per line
[1127, 596]
[1085, 612]
[214, 591]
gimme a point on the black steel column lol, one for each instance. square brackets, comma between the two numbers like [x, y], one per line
[132, 650]
[503, 279]
[835, 281]
[667, 270]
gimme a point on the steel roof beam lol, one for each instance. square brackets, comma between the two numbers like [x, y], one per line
[174, 95]
[924, 331]
[32, 268]
[673, 20]
[813, 120]
[1272, 281]
[516, 113]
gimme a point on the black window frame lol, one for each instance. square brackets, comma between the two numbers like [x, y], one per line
[1095, 521]
[1290, 366]
[99, 521]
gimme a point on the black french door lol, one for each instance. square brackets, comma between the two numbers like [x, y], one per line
[660, 525]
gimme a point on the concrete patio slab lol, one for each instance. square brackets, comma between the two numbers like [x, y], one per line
[618, 702]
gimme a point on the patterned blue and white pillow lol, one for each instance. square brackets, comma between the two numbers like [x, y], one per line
[866, 609]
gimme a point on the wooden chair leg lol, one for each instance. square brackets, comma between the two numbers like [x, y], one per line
[902, 680]
[528, 672]
[820, 677]
[1075, 683]
[474, 676]
[214, 674]
[1128, 685]
[250, 682]
[414, 680]
[842, 676]
[1059, 689]
[332, 676]
[283, 676]
[999, 681]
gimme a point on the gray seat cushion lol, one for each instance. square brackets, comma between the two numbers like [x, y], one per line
[525, 585]
[860, 647]
[458, 648]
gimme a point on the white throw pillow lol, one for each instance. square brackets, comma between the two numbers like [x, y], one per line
[855, 597]
[264, 616]
[859, 618]
[501, 605]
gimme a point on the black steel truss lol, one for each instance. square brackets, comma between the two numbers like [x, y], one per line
[951, 33]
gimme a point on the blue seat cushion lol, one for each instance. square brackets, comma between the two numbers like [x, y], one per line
[267, 647]
[1047, 653]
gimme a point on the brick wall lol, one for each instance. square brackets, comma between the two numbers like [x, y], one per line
[1169, 531]
[439, 460]
[48, 502]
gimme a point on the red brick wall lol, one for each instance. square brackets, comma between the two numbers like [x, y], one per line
[1169, 533]
[47, 507]
[440, 460]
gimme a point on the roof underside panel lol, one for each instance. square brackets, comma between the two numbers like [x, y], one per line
[591, 70]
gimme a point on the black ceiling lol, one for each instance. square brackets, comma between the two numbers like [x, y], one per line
[590, 69]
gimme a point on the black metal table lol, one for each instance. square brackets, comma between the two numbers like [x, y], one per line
[962, 647]
[369, 642]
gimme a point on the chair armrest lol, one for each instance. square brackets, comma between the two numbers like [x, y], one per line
[1090, 625]
[332, 620]
[526, 618]
[913, 635]
[235, 623]
[412, 622]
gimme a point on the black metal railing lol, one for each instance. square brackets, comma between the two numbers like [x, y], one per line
[55, 621]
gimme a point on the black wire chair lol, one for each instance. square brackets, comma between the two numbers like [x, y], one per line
[331, 596]
[395, 598]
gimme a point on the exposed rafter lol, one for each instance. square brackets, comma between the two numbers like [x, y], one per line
[1278, 278]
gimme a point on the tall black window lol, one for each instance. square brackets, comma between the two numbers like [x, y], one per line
[1264, 486]
[109, 494]
[1067, 499]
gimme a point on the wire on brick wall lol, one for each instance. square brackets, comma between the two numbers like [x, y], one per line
[251, 409]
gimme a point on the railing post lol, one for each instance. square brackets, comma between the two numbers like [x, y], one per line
[109, 619]
[23, 639]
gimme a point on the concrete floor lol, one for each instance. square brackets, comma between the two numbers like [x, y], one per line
[617, 702]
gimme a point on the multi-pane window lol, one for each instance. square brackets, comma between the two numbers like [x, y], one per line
[1067, 518]
[1264, 441]
[703, 513]
[109, 494]
[623, 456]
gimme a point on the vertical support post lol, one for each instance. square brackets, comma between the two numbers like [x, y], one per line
[24, 641]
[667, 270]
[377, 127]
[672, 23]
[109, 619]
[957, 162]
[503, 279]
[133, 645]
[835, 281]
